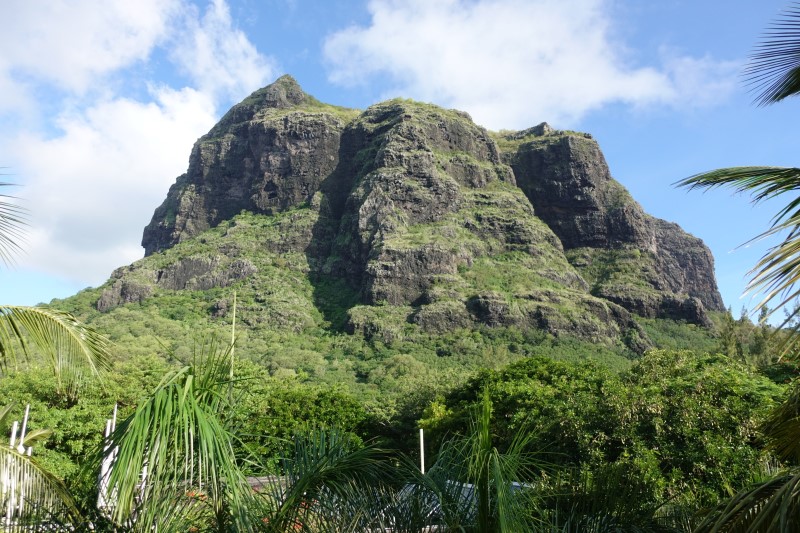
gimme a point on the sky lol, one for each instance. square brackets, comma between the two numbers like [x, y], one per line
[101, 102]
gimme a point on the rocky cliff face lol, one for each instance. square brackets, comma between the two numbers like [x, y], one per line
[268, 153]
[419, 209]
[567, 180]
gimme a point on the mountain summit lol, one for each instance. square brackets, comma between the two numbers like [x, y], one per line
[406, 218]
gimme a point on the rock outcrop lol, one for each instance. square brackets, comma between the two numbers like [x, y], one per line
[417, 208]
[134, 284]
[268, 153]
[567, 179]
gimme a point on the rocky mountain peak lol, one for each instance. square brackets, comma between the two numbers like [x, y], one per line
[416, 207]
[283, 93]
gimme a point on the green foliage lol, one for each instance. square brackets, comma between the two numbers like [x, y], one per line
[678, 335]
[702, 413]
[269, 412]
[478, 486]
[172, 459]
[771, 505]
[613, 268]
[330, 484]
[511, 141]
[71, 349]
[686, 424]
[560, 402]
[76, 424]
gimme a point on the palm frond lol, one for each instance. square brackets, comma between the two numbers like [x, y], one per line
[777, 273]
[13, 219]
[773, 505]
[329, 484]
[473, 484]
[71, 348]
[774, 67]
[31, 436]
[32, 499]
[781, 429]
[173, 459]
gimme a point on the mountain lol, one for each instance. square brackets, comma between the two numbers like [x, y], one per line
[399, 232]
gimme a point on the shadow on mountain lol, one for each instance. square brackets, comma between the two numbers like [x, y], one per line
[334, 276]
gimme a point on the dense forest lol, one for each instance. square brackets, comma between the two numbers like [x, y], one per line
[647, 444]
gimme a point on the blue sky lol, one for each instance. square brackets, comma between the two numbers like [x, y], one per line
[100, 103]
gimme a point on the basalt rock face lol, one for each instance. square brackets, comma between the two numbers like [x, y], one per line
[426, 217]
[602, 228]
[134, 283]
[267, 154]
[435, 221]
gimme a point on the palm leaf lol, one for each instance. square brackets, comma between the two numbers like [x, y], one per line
[773, 505]
[31, 436]
[776, 274]
[12, 222]
[71, 348]
[173, 460]
[329, 484]
[782, 427]
[40, 502]
[774, 67]
[472, 484]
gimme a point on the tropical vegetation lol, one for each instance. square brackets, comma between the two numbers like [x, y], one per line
[70, 350]
[774, 72]
[317, 429]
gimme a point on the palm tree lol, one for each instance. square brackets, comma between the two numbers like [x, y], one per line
[774, 74]
[72, 350]
[173, 466]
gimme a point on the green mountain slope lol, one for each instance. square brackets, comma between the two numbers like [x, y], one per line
[398, 249]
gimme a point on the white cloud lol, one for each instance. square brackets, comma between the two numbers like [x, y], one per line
[699, 81]
[557, 59]
[72, 42]
[219, 58]
[99, 156]
[93, 188]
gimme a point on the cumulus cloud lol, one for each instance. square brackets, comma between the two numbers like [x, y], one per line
[218, 57]
[557, 59]
[101, 159]
[72, 42]
[93, 187]
[699, 81]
